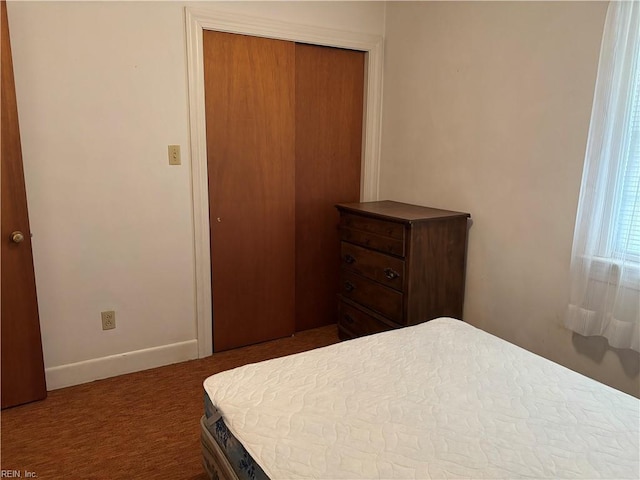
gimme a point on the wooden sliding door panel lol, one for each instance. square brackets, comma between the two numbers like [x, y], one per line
[329, 116]
[250, 87]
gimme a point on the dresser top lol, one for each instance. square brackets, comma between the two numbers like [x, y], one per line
[398, 211]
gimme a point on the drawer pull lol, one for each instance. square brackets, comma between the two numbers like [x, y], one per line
[349, 287]
[349, 259]
[391, 274]
[347, 318]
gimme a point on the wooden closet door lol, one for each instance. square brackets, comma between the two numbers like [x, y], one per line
[329, 117]
[250, 87]
[23, 378]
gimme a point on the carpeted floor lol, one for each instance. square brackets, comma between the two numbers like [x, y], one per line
[140, 425]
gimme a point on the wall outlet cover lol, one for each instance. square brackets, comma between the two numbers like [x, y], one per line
[108, 320]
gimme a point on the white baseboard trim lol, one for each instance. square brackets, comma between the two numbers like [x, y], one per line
[129, 362]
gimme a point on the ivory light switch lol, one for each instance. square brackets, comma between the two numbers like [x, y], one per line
[174, 155]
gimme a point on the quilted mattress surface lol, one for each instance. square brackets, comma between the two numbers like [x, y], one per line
[437, 400]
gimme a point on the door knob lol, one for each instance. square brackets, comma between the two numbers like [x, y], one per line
[17, 237]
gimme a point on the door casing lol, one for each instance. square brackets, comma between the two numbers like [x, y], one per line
[199, 19]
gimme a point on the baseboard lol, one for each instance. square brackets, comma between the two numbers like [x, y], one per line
[113, 365]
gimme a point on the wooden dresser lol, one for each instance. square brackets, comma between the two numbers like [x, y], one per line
[401, 265]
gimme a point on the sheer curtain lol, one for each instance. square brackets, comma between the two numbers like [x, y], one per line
[605, 263]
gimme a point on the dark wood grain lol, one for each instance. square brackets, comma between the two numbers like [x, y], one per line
[371, 224]
[431, 261]
[377, 297]
[329, 113]
[385, 269]
[381, 243]
[23, 378]
[356, 321]
[398, 211]
[250, 94]
[437, 252]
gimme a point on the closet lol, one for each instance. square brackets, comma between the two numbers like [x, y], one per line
[284, 143]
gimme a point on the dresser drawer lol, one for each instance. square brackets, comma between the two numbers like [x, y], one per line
[381, 299]
[358, 323]
[377, 266]
[387, 237]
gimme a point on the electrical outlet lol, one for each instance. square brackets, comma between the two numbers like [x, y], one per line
[108, 320]
[174, 155]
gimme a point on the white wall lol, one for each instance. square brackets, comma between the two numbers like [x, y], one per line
[102, 91]
[486, 110]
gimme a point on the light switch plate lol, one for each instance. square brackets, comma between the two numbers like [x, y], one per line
[174, 155]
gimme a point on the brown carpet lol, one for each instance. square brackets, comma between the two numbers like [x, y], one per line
[140, 425]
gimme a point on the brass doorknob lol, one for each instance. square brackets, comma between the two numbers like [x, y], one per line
[17, 237]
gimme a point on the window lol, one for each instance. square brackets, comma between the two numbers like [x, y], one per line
[627, 232]
[605, 262]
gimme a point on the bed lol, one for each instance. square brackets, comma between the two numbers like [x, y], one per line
[442, 399]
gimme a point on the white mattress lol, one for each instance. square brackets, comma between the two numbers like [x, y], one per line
[438, 400]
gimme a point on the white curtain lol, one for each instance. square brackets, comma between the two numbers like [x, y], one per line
[605, 263]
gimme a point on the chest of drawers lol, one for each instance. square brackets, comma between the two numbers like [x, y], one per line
[401, 265]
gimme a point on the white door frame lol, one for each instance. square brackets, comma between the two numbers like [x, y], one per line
[199, 19]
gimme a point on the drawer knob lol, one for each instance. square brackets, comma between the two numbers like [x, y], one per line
[349, 287]
[391, 273]
[349, 258]
[348, 318]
